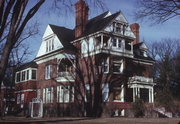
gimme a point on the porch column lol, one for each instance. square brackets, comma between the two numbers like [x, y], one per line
[152, 94]
[102, 41]
[138, 92]
[134, 94]
[122, 93]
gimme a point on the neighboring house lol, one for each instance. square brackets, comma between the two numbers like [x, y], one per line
[105, 47]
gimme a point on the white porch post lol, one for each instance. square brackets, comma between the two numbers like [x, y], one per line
[31, 109]
[138, 92]
[122, 93]
[152, 95]
[134, 94]
[101, 41]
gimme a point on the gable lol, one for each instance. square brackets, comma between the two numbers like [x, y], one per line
[121, 18]
[48, 35]
[143, 46]
[123, 22]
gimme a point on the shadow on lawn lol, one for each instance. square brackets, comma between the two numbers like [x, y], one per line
[34, 121]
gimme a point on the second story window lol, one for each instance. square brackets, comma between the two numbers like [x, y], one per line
[118, 66]
[49, 45]
[105, 65]
[116, 43]
[33, 76]
[23, 75]
[127, 45]
[48, 71]
[26, 75]
[18, 76]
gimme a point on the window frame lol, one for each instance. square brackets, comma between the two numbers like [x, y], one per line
[48, 72]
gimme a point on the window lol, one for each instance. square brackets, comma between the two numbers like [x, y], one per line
[128, 45]
[117, 94]
[33, 74]
[18, 98]
[48, 71]
[23, 75]
[117, 27]
[143, 53]
[49, 45]
[118, 66]
[27, 75]
[18, 76]
[105, 92]
[65, 94]
[22, 98]
[48, 95]
[116, 43]
[105, 65]
[38, 93]
[87, 93]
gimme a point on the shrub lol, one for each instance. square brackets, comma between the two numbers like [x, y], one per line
[138, 108]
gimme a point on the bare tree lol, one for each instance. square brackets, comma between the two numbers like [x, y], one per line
[165, 54]
[158, 11]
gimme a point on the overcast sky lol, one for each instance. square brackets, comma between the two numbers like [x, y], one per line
[148, 32]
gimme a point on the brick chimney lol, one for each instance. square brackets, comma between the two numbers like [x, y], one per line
[135, 29]
[81, 17]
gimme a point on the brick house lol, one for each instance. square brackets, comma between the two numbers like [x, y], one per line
[101, 59]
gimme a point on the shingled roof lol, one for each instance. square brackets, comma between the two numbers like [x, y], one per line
[65, 35]
[31, 64]
[98, 23]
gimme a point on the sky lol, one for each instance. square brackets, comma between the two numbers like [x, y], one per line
[148, 32]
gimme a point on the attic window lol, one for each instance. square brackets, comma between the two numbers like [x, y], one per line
[117, 27]
[49, 45]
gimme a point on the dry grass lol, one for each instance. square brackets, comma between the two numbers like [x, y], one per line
[92, 121]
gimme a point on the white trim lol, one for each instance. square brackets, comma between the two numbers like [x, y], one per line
[28, 90]
[146, 61]
[30, 75]
[56, 55]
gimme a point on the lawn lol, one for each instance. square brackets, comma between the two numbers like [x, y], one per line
[92, 121]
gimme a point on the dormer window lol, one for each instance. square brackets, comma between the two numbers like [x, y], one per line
[143, 53]
[117, 27]
[49, 45]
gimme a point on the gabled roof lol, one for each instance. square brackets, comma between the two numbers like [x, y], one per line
[136, 47]
[65, 35]
[99, 22]
[140, 45]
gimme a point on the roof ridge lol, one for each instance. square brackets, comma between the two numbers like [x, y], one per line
[99, 15]
[57, 26]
